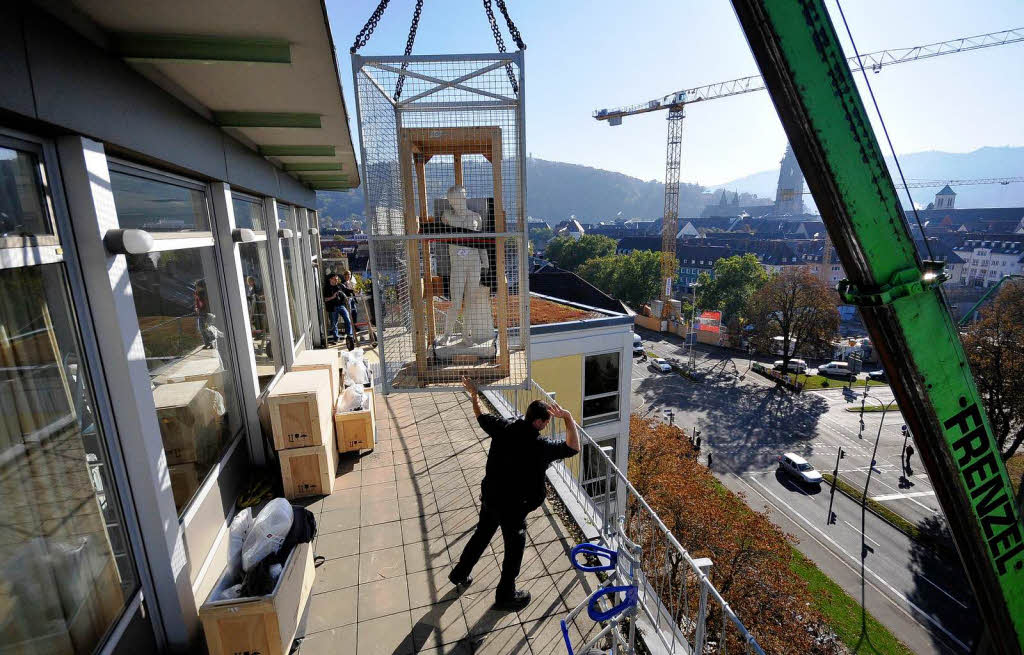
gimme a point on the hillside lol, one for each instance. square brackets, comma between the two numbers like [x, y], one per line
[557, 190]
[929, 165]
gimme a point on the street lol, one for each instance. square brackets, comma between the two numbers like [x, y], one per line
[747, 423]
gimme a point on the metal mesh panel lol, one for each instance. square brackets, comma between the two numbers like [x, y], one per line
[443, 174]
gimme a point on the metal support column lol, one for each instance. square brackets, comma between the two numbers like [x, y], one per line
[285, 336]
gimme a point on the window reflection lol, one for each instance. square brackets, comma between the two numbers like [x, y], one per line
[184, 337]
[22, 210]
[260, 299]
[65, 569]
[155, 206]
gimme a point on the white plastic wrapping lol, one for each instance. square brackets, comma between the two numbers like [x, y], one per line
[268, 533]
[241, 526]
[356, 371]
[351, 399]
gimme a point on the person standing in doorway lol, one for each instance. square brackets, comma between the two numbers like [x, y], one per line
[204, 322]
[513, 486]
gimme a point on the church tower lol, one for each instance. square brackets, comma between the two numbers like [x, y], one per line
[945, 199]
[789, 197]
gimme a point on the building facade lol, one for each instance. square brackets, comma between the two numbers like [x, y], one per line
[159, 259]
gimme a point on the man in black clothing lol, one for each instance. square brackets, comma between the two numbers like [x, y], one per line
[513, 486]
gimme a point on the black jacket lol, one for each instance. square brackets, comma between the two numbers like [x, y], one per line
[519, 456]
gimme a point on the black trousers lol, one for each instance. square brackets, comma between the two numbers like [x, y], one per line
[513, 530]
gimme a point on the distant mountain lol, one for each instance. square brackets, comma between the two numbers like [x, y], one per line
[933, 165]
[556, 190]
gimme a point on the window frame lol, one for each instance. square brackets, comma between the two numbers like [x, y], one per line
[607, 417]
[59, 248]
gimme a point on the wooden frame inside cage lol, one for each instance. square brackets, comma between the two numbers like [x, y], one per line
[417, 147]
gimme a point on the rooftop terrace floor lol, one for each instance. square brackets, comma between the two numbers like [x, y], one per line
[398, 520]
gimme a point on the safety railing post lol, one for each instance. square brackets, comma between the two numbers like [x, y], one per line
[704, 564]
[605, 520]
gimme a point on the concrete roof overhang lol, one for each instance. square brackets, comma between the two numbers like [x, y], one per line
[263, 70]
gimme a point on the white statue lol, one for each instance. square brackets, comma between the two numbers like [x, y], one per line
[467, 295]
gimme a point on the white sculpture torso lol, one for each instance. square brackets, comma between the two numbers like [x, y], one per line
[468, 297]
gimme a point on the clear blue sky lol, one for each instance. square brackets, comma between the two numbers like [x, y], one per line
[584, 55]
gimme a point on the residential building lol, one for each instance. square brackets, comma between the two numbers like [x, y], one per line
[989, 257]
[571, 228]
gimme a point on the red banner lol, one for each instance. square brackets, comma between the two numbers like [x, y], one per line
[710, 321]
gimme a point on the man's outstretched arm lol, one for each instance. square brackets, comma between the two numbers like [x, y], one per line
[473, 392]
[572, 436]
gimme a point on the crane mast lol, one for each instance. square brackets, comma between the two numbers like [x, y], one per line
[670, 222]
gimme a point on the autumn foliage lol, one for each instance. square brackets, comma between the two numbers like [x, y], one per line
[750, 555]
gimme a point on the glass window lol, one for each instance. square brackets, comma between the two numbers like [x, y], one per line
[601, 388]
[64, 557]
[259, 295]
[22, 205]
[184, 337]
[595, 471]
[158, 206]
[292, 254]
[248, 213]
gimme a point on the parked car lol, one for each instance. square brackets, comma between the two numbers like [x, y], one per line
[795, 366]
[878, 375]
[836, 369]
[638, 345]
[660, 365]
[799, 468]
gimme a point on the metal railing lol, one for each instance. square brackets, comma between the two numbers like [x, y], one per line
[678, 603]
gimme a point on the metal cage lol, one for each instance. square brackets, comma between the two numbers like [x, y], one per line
[445, 183]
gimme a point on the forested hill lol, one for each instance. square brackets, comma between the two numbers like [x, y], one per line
[556, 190]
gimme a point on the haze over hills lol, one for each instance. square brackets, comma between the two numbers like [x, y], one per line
[557, 190]
[933, 165]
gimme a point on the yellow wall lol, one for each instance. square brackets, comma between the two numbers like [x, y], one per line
[563, 377]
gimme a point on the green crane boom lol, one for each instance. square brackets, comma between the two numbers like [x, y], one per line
[812, 86]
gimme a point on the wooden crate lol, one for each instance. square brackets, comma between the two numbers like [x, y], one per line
[184, 482]
[308, 471]
[327, 360]
[356, 430]
[185, 418]
[263, 624]
[198, 369]
[301, 409]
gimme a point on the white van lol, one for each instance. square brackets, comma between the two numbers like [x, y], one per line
[638, 345]
[836, 369]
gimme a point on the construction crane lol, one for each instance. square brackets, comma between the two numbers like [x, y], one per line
[898, 294]
[931, 184]
[676, 103]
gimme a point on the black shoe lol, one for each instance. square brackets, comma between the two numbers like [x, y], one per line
[464, 582]
[513, 603]
[350, 342]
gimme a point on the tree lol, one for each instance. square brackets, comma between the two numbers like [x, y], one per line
[995, 349]
[569, 253]
[634, 278]
[735, 280]
[797, 306]
[540, 236]
[751, 556]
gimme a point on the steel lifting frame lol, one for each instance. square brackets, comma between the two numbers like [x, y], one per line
[812, 86]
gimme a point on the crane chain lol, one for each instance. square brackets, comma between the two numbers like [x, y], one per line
[500, 41]
[408, 46]
[512, 29]
[371, 24]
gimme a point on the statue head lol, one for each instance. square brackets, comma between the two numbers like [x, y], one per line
[457, 197]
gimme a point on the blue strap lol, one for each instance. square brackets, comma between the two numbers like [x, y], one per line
[565, 636]
[595, 551]
[628, 602]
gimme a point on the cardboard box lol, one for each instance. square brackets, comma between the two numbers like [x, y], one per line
[198, 369]
[186, 418]
[327, 360]
[301, 409]
[356, 430]
[262, 624]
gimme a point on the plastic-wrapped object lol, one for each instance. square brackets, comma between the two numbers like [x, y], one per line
[351, 399]
[356, 372]
[241, 526]
[268, 533]
[232, 592]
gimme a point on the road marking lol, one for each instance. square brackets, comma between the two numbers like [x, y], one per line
[912, 494]
[949, 595]
[926, 615]
[857, 530]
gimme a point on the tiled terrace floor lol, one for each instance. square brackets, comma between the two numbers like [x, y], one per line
[395, 524]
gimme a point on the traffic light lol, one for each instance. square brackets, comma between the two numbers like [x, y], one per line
[831, 518]
[842, 453]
